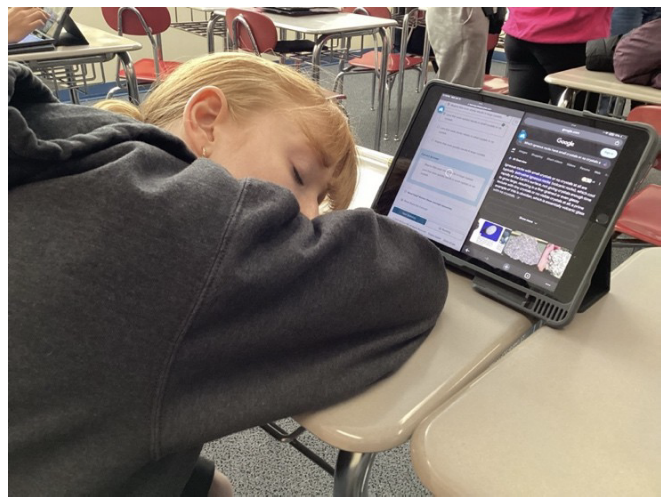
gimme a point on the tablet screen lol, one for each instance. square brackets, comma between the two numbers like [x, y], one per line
[31, 39]
[54, 22]
[525, 192]
[513, 189]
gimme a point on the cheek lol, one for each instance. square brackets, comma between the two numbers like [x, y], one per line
[253, 163]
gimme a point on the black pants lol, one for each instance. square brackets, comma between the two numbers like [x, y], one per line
[529, 63]
[200, 480]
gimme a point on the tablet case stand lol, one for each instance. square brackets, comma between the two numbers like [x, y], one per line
[599, 286]
[600, 281]
[70, 35]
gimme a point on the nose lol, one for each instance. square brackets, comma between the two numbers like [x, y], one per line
[309, 207]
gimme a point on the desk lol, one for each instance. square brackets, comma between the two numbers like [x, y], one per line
[471, 333]
[324, 27]
[103, 46]
[572, 412]
[577, 79]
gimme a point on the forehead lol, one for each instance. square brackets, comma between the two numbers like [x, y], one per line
[285, 132]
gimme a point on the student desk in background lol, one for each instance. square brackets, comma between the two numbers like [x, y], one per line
[573, 412]
[68, 65]
[581, 79]
[325, 27]
[472, 332]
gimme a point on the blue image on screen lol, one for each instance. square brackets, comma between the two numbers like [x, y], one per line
[491, 231]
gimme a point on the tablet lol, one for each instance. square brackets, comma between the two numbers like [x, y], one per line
[59, 29]
[34, 42]
[522, 196]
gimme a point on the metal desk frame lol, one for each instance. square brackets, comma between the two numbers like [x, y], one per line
[103, 46]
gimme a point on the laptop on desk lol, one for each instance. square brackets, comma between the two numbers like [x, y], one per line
[60, 29]
[521, 196]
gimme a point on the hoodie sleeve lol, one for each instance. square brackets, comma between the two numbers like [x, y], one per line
[637, 56]
[297, 315]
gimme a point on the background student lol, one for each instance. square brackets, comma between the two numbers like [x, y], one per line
[545, 40]
[21, 21]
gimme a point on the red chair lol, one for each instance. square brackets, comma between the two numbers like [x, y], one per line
[143, 21]
[250, 30]
[491, 83]
[640, 220]
[370, 61]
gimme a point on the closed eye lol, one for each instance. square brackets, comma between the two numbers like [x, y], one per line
[297, 177]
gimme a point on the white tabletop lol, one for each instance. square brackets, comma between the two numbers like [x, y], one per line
[373, 166]
[573, 412]
[472, 332]
[320, 24]
[100, 42]
[603, 83]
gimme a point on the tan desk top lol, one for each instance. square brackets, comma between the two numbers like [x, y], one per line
[471, 333]
[100, 42]
[603, 83]
[574, 412]
[318, 24]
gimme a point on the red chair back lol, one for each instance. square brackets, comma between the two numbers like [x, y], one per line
[651, 115]
[378, 12]
[492, 40]
[263, 29]
[369, 11]
[647, 114]
[156, 18]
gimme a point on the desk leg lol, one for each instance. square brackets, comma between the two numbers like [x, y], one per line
[567, 99]
[386, 43]
[426, 60]
[131, 81]
[211, 26]
[317, 54]
[352, 472]
[401, 86]
[73, 91]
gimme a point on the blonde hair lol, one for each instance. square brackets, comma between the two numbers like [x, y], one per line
[252, 84]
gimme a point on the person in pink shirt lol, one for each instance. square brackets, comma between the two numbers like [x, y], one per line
[544, 40]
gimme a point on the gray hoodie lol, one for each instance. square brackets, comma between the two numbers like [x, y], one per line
[157, 303]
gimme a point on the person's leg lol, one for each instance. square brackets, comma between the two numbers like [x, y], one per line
[625, 19]
[526, 76]
[205, 481]
[220, 486]
[488, 61]
[458, 36]
[559, 57]
[649, 14]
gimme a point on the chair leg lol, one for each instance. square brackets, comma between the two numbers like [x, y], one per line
[389, 86]
[419, 81]
[112, 92]
[338, 82]
[374, 84]
[398, 104]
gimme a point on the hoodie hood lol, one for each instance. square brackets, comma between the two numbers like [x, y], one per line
[48, 139]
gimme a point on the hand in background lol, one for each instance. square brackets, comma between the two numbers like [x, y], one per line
[24, 20]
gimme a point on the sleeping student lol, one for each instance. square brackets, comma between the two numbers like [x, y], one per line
[171, 280]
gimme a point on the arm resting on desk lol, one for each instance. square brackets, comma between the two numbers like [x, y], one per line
[307, 313]
[637, 56]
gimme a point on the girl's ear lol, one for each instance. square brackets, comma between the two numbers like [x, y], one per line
[205, 112]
